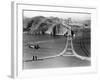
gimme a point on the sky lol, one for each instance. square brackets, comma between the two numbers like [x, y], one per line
[73, 16]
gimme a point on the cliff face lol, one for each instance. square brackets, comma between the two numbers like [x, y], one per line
[52, 25]
[25, 22]
[45, 25]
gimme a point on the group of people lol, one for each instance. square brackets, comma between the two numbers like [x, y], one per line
[34, 58]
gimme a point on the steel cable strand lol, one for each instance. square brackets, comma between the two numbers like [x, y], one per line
[83, 47]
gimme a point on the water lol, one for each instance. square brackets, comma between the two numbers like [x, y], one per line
[49, 46]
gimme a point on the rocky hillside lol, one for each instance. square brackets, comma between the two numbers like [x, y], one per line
[49, 25]
[42, 25]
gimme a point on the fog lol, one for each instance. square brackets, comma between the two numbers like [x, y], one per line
[73, 16]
